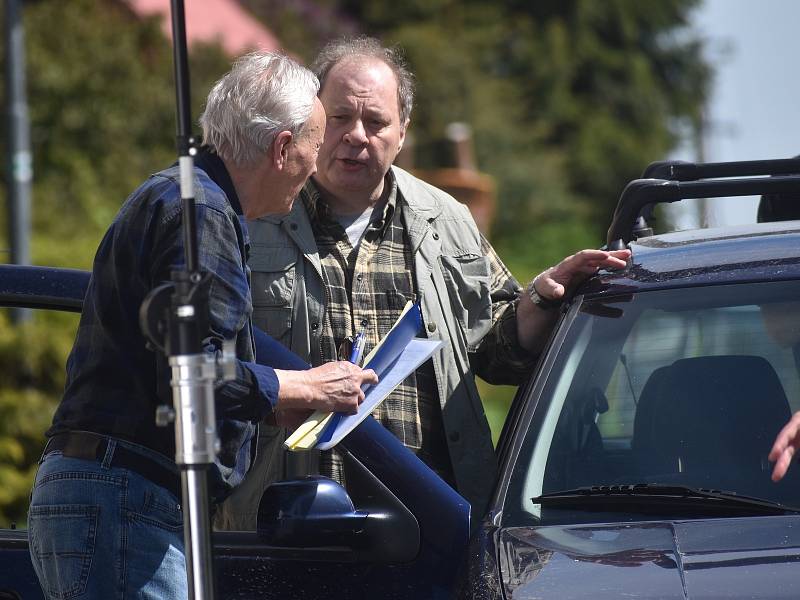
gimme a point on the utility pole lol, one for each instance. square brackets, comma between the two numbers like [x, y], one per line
[19, 163]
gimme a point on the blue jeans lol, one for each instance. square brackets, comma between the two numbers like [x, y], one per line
[104, 532]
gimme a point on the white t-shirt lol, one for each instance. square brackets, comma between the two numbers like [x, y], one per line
[356, 224]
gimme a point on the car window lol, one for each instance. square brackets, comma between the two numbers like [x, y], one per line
[678, 387]
[32, 358]
[659, 338]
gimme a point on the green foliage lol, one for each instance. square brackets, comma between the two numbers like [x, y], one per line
[302, 26]
[568, 99]
[102, 109]
[618, 78]
[101, 93]
[32, 358]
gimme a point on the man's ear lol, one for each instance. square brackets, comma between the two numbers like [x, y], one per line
[280, 148]
[403, 130]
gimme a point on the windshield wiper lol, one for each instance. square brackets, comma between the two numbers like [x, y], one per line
[649, 494]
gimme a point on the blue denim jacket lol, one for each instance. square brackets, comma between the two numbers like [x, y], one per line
[114, 382]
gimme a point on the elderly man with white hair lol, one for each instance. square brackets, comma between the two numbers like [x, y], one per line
[105, 516]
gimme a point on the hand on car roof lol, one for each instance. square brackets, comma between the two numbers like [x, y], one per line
[555, 281]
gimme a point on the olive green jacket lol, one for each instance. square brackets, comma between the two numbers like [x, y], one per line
[453, 278]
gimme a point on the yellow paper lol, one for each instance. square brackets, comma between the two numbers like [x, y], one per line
[305, 436]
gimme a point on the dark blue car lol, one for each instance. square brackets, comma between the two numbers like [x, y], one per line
[633, 463]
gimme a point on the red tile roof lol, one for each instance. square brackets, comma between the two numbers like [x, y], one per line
[224, 21]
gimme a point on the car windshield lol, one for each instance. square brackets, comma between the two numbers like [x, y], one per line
[680, 388]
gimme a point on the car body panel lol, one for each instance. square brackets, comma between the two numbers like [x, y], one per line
[745, 557]
[764, 252]
[42, 287]
[714, 558]
[17, 578]
[443, 518]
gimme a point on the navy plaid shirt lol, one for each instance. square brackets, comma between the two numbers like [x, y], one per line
[114, 383]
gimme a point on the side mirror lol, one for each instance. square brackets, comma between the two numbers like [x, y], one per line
[315, 512]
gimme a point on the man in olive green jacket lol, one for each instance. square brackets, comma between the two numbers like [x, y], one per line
[364, 238]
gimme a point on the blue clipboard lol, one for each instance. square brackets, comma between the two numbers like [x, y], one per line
[405, 330]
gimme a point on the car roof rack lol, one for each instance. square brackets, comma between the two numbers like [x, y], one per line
[680, 170]
[671, 181]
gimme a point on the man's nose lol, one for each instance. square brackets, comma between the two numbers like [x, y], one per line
[356, 135]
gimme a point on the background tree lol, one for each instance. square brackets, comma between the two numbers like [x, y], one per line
[568, 99]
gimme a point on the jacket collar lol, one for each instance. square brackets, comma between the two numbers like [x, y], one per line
[208, 161]
[420, 197]
[423, 206]
[422, 201]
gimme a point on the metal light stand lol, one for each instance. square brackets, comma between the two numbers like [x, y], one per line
[181, 307]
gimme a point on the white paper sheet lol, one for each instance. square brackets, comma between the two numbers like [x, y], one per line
[415, 353]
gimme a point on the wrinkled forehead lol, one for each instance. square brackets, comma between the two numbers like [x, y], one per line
[361, 77]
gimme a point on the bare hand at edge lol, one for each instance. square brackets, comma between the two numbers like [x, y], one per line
[554, 282]
[786, 444]
[334, 387]
[534, 325]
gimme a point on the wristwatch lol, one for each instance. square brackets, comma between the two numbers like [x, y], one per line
[541, 301]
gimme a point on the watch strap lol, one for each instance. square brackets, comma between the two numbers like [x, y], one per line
[541, 301]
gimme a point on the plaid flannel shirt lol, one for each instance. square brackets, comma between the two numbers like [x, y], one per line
[114, 383]
[368, 288]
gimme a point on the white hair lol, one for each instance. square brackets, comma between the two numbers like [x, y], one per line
[263, 94]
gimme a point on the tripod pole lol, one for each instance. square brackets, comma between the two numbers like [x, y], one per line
[195, 440]
[193, 371]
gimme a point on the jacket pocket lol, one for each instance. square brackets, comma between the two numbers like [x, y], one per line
[272, 282]
[467, 278]
[156, 507]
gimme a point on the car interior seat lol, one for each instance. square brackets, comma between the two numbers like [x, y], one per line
[710, 422]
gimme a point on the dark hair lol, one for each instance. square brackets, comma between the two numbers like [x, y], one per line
[363, 46]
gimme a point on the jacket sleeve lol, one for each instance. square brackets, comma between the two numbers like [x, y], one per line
[499, 359]
[253, 393]
[271, 355]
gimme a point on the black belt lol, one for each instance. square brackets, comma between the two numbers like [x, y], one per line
[90, 446]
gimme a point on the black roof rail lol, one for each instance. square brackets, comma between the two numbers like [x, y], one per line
[679, 170]
[641, 192]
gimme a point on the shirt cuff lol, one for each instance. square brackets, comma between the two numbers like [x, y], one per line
[266, 382]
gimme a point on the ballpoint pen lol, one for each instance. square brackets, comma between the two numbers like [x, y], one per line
[358, 347]
[355, 357]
